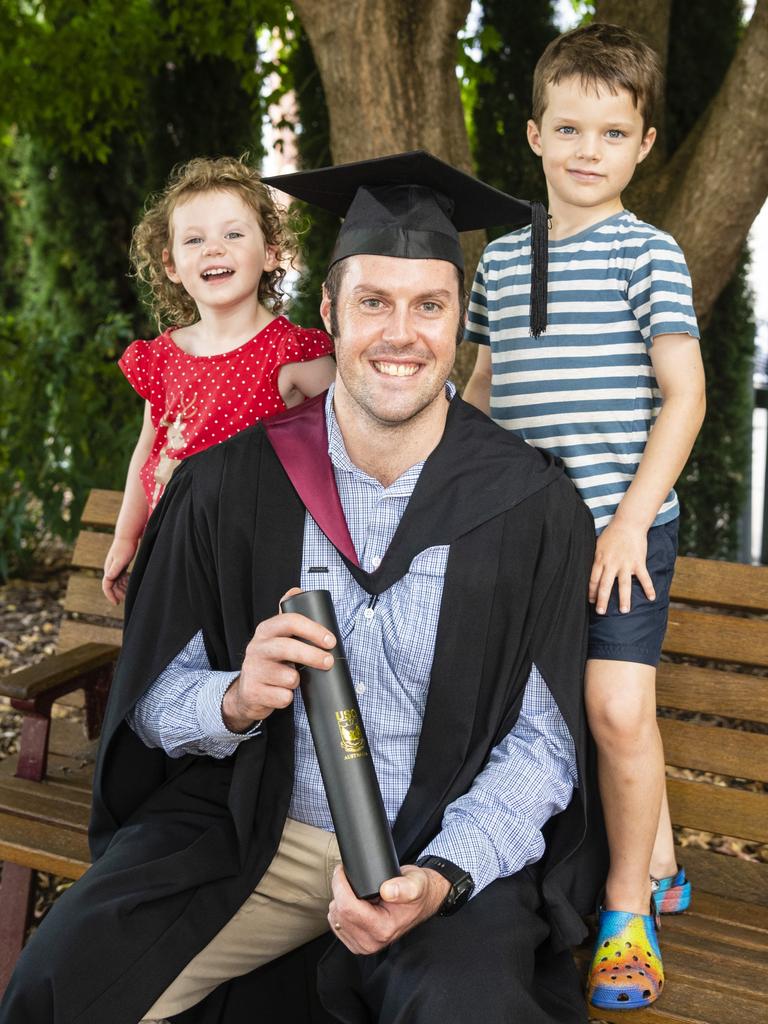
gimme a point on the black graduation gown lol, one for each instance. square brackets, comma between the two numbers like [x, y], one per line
[179, 844]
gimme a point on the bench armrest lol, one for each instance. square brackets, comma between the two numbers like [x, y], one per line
[33, 690]
[57, 675]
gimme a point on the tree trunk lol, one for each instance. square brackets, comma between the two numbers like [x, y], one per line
[718, 180]
[389, 73]
[650, 19]
[713, 187]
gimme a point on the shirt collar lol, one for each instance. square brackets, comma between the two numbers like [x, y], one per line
[342, 463]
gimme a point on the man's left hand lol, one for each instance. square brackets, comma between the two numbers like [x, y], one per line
[367, 927]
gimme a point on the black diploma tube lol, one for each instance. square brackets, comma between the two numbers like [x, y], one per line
[362, 830]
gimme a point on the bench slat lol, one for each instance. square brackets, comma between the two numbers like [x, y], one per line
[43, 847]
[711, 691]
[718, 873]
[76, 633]
[708, 748]
[730, 812]
[41, 801]
[91, 549]
[721, 908]
[725, 584]
[717, 637]
[101, 508]
[84, 595]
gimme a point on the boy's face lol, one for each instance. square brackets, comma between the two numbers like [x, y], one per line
[590, 143]
[218, 252]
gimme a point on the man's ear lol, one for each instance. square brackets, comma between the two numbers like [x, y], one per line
[325, 309]
[534, 136]
[170, 270]
[646, 145]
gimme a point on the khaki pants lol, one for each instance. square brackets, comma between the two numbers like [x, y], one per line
[286, 909]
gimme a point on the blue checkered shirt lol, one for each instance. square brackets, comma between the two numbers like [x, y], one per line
[495, 828]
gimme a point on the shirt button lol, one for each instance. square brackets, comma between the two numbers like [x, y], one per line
[368, 613]
[360, 688]
[375, 561]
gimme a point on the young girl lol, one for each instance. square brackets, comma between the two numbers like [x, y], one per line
[210, 249]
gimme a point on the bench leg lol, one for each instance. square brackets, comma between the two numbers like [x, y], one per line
[16, 894]
[96, 700]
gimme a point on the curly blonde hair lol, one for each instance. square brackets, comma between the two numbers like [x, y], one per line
[170, 303]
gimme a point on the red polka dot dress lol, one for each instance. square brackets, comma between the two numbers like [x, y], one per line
[197, 401]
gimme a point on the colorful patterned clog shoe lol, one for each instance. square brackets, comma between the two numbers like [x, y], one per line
[627, 972]
[671, 895]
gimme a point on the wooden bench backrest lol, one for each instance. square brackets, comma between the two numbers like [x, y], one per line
[88, 616]
[718, 627]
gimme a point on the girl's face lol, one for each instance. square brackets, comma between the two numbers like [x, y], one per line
[218, 252]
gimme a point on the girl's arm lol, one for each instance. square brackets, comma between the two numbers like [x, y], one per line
[297, 381]
[478, 389]
[132, 518]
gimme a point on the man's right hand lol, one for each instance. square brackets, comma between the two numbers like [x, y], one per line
[268, 677]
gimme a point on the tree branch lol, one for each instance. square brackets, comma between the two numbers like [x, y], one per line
[719, 178]
[649, 18]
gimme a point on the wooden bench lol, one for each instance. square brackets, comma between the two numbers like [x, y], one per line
[45, 791]
[716, 955]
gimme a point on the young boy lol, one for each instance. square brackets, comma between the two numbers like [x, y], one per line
[620, 356]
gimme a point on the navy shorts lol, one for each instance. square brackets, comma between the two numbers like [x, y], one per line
[638, 634]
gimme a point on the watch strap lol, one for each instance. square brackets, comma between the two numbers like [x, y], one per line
[462, 884]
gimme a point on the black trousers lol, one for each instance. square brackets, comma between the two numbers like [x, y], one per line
[490, 963]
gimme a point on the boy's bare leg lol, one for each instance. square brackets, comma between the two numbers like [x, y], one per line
[621, 705]
[663, 858]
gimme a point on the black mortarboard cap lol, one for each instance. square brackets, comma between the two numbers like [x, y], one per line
[413, 205]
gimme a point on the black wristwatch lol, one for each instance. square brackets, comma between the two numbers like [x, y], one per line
[462, 885]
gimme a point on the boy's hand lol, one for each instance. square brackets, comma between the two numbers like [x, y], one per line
[366, 927]
[620, 554]
[115, 581]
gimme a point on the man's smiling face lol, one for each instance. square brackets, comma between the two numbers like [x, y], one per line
[397, 322]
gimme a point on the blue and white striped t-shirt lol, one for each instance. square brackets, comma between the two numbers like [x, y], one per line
[585, 390]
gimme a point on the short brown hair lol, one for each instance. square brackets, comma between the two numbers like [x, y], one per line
[601, 54]
[170, 302]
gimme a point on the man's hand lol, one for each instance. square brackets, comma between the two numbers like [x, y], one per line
[620, 553]
[367, 927]
[115, 581]
[268, 677]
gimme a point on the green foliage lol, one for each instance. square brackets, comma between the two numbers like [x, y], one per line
[76, 72]
[712, 488]
[318, 227]
[512, 36]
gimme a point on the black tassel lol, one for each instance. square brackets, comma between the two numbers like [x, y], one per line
[539, 261]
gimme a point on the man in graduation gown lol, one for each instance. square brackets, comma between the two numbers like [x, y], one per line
[458, 560]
